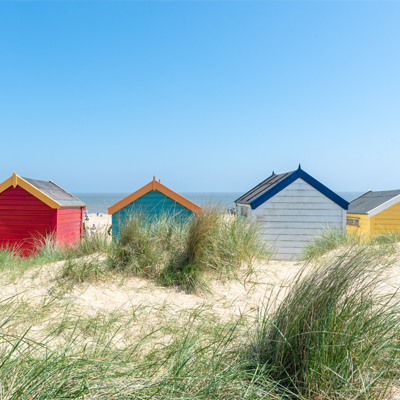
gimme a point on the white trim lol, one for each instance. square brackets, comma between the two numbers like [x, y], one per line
[383, 206]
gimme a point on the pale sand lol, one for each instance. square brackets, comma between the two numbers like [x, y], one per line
[227, 298]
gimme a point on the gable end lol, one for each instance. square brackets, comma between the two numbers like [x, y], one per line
[307, 178]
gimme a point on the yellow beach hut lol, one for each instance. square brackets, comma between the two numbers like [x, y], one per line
[374, 213]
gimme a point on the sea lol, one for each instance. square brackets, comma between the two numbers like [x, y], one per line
[99, 202]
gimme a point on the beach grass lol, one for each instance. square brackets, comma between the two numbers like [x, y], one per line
[214, 245]
[199, 362]
[330, 239]
[386, 238]
[187, 253]
[336, 333]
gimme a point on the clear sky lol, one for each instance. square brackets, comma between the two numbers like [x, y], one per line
[208, 96]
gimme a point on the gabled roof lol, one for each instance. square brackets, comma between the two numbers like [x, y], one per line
[154, 185]
[48, 192]
[372, 203]
[275, 183]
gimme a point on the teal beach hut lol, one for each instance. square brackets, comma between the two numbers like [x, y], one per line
[152, 200]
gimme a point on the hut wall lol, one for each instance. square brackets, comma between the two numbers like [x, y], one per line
[296, 215]
[153, 204]
[22, 217]
[69, 225]
[387, 220]
[364, 225]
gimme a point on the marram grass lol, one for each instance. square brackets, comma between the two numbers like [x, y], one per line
[332, 239]
[336, 333]
[187, 253]
[328, 240]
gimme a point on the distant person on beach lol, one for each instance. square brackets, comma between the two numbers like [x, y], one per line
[94, 230]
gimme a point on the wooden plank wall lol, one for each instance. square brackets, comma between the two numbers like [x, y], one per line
[387, 220]
[296, 215]
[22, 216]
[364, 225]
[69, 225]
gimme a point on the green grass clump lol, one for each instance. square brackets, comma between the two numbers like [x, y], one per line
[99, 243]
[14, 260]
[330, 239]
[143, 244]
[79, 271]
[214, 244]
[336, 333]
[386, 238]
[47, 250]
[184, 253]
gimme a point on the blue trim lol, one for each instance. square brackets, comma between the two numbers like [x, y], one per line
[307, 178]
[324, 190]
[273, 191]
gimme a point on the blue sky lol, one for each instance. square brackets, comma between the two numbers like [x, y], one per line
[208, 96]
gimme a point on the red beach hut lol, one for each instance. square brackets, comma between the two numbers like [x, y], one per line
[30, 208]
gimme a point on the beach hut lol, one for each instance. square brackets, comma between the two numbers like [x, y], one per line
[152, 200]
[292, 208]
[34, 209]
[374, 213]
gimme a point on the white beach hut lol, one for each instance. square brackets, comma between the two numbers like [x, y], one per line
[293, 208]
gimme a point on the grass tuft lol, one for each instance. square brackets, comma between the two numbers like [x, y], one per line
[217, 245]
[143, 244]
[336, 333]
[386, 238]
[79, 271]
[330, 239]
